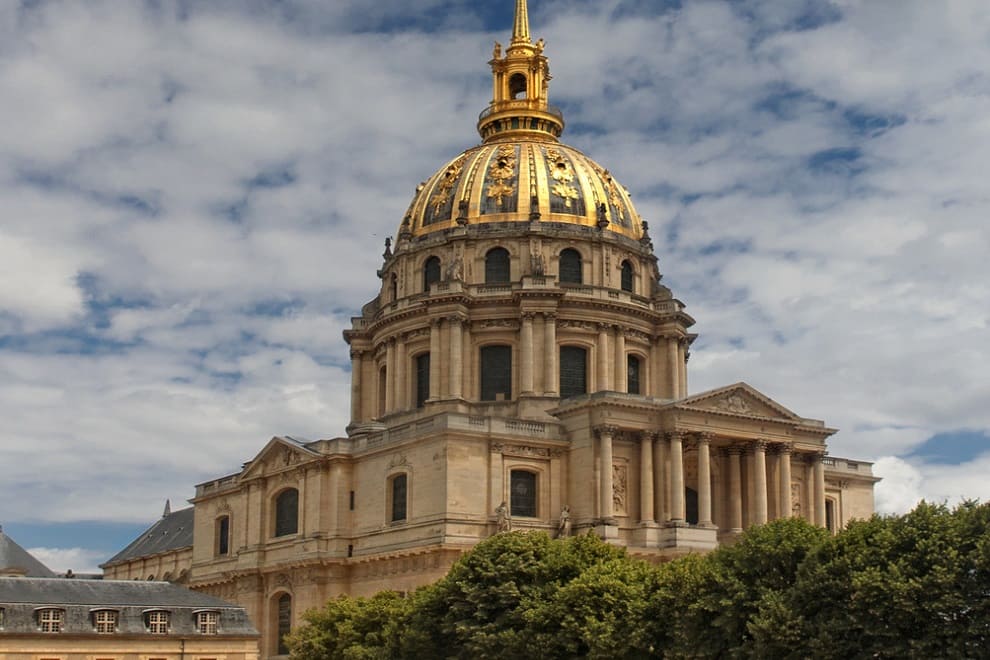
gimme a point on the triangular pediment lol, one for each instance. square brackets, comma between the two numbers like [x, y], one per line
[279, 454]
[739, 399]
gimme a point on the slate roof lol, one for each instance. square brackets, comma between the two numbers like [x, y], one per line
[21, 597]
[172, 532]
[13, 556]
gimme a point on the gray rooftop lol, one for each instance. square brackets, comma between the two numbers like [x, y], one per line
[173, 531]
[15, 558]
[21, 597]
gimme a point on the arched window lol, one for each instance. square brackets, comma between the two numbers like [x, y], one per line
[223, 535]
[431, 273]
[573, 371]
[632, 374]
[522, 493]
[517, 86]
[422, 379]
[570, 267]
[497, 266]
[627, 277]
[283, 618]
[399, 492]
[287, 512]
[496, 373]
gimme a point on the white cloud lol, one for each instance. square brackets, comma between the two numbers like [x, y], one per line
[78, 560]
[137, 261]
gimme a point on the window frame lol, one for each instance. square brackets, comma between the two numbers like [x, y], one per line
[569, 272]
[422, 383]
[222, 535]
[627, 277]
[393, 482]
[633, 359]
[50, 620]
[487, 388]
[561, 362]
[284, 596]
[493, 269]
[158, 621]
[431, 275]
[534, 476]
[207, 622]
[280, 528]
[114, 621]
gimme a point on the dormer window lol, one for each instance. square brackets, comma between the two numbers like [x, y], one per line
[157, 621]
[51, 620]
[105, 621]
[206, 622]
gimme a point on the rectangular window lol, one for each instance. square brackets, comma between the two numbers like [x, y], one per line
[105, 621]
[50, 620]
[422, 379]
[573, 371]
[399, 497]
[157, 622]
[352, 500]
[206, 622]
[632, 375]
[522, 484]
[223, 535]
[496, 373]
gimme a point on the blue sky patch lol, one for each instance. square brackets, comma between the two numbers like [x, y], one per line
[954, 448]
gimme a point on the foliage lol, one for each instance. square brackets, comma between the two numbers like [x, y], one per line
[913, 586]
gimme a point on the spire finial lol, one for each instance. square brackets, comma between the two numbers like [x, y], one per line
[168, 509]
[520, 29]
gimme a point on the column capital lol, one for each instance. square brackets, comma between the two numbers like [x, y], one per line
[602, 430]
[357, 354]
[704, 437]
[549, 317]
[782, 447]
[813, 457]
[436, 321]
[649, 436]
[456, 318]
[604, 327]
[676, 435]
[760, 445]
[527, 316]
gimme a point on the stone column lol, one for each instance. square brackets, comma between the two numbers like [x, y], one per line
[390, 376]
[819, 468]
[673, 371]
[760, 482]
[646, 515]
[677, 514]
[621, 378]
[550, 354]
[357, 365]
[606, 509]
[660, 480]
[809, 487]
[456, 375]
[784, 456]
[401, 382]
[704, 480]
[603, 375]
[735, 489]
[683, 355]
[435, 359]
[653, 371]
[526, 354]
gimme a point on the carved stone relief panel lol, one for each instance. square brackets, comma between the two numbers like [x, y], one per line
[620, 489]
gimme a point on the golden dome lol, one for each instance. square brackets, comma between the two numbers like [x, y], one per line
[521, 173]
[522, 181]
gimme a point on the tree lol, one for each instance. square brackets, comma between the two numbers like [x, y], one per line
[351, 628]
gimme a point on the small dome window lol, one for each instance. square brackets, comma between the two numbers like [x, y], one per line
[517, 86]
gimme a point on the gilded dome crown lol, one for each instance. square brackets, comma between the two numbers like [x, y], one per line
[521, 172]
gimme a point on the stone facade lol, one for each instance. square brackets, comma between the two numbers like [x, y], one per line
[522, 358]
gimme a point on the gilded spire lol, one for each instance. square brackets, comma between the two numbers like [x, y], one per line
[520, 29]
[520, 81]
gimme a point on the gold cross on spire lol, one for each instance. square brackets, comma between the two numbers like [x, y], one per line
[520, 29]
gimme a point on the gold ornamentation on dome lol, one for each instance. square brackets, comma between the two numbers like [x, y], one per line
[614, 198]
[563, 174]
[502, 174]
[445, 188]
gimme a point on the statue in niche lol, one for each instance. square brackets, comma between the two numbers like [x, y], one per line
[503, 523]
[564, 525]
[455, 270]
[537, 264]
[497, 53]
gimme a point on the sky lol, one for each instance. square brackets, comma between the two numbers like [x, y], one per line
[194, 196]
